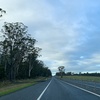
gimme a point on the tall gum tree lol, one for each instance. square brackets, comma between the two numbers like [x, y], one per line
[2, 12]
[61, 70]
[15, 47]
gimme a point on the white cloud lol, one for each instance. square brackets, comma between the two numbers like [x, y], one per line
[65, 30]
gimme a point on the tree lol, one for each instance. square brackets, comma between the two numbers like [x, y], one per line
[15, 46]
[61, 70]
[18, 54]
[2, 72]
[32, 58]
[2, 12]
[40, 69]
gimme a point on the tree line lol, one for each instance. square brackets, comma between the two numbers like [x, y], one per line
[77, 74]
[62, 73]
[18, 54]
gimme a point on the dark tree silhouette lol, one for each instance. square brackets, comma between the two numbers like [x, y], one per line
[18, 53]
[2, 12]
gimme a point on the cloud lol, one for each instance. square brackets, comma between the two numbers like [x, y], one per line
[67, 31]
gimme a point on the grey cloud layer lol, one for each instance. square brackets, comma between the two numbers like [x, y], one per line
[67, 31]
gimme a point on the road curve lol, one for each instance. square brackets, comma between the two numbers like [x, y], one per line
[54, 89]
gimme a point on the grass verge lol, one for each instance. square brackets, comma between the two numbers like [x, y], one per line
[7, 87]
[84, 78]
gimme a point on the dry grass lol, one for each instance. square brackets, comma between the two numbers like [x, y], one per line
[7, 87]
[85, 78]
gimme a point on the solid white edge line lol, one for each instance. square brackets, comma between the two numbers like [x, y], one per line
[82, 89]
[44, 91]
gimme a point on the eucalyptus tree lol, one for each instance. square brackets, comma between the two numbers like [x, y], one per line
[32, 57]
[61, 70]
[2, 11]
[15, 46]
[19, 54]
[2, 73]
[40, 69]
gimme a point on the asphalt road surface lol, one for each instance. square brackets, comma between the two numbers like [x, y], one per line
[53, 89]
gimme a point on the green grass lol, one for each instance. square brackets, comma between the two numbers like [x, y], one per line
[84, 78]
[7, 87]
[4, 91]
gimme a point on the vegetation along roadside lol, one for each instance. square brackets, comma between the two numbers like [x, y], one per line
[7, 87]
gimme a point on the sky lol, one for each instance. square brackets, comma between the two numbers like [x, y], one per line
[68, 31]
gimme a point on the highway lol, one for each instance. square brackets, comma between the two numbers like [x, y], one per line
[52, 89]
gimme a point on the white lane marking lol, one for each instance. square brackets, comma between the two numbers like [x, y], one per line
[44, 91]
[82, 89]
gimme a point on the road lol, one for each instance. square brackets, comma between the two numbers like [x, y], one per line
[88, 83]
[54, 89]
[91, 86]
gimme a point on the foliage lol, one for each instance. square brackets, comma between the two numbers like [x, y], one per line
[61, 70]
[2, 12]
[2, 73]
[79, 74]
[19, 55]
